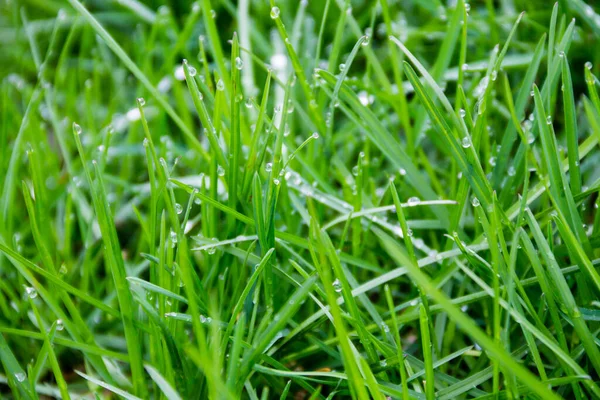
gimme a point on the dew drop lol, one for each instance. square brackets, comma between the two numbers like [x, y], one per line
[77, 128]
[549, 119]
[276, 182]
[275, 12]
[220, 171]
[60, 325]
[315, 135]
[413, 201]
[475, 202]
[30, 292]
[220, 85]
[342, 67]
[63, 269]
[462, 113]
[588, 65]
[466, 142]
[20, 376]
[269, 167]
[178, 208]
[337, 285]
[249, 103]
[141, 101]
[355, 170]
[239, 64]
[173, 237]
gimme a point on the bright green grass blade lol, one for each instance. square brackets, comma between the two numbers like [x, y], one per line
[564, 293]
[15, 373]
[471, 169]
[107, 386]
[48, 337]
[162, 383]
[571, 130]
[468, 326]
[118, 50]
[115, 260]
[427, 354]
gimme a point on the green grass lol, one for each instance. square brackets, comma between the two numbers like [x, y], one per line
[299, 199]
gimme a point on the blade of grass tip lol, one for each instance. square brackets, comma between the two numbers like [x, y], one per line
[427, 355]
[551, 44]
[114, 259]
[325, 273]
[286, 389]
[162, 383]
[570, 127]
[590, 81]
[398, 343]
[137, 72]
[468, 326]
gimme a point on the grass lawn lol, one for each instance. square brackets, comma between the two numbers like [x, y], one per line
[315, 199]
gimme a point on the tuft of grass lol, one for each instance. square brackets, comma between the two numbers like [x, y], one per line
[337, 199]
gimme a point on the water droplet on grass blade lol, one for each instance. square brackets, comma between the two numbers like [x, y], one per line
[30, 292]
[239, 64]
[275, 12]
[337, 285]
[413, 201]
